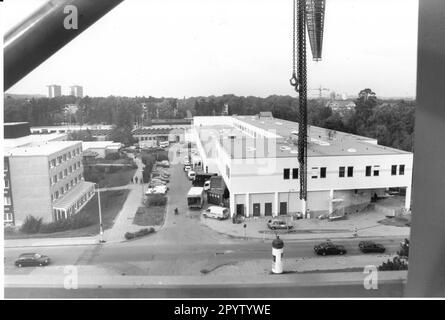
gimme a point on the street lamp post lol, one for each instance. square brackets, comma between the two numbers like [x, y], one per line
[101, 230]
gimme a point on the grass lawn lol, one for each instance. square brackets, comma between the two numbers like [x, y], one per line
[151, 216]
[111, 204]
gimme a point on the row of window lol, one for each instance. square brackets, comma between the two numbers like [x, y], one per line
[66, 188]
[63, 158]
[63, 173]
[320, 172]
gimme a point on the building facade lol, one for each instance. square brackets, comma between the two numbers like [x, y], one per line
[76, 91]
[54, 90]
[257, 158]
[43, 177]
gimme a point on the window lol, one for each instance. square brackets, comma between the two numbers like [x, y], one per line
[75, 165]
[6, 166]
[314, 173]
[368, 171]
[64, 157]
[60, 175]
[7, 201]
[55, 178]
[286, 173]
[69, 154]
[393, 170]
[62, 191]
[350, 171]
[6, 183]
[65, 172]
[376, 171]
[56, 194]
[295, 173]
[71, 169]
[67, 187]
[402, 169]
[341, 172]
[323, 172]
[53, 163]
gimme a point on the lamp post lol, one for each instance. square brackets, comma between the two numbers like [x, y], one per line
[142, 185]
[101, 231]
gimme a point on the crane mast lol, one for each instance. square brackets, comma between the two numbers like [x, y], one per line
[308, 13]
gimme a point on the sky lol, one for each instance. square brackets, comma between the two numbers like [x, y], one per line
[174, 48]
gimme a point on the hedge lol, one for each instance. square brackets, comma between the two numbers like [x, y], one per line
[138, 234]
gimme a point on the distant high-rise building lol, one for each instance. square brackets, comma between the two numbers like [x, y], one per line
[76, 91]
[54, 90]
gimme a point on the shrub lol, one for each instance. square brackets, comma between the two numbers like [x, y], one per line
[138, 234]
[31, 225]
[112, 156]
[395, 264]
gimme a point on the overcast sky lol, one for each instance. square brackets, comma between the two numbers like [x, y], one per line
[188, 48]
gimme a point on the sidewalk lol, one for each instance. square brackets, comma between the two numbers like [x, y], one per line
[124, 220]
[46, 242]
[310, 229]
[94, 279]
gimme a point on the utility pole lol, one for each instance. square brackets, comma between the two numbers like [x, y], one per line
[101, 230]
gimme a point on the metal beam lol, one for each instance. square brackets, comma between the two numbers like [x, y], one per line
[42, 34]
[426, 274]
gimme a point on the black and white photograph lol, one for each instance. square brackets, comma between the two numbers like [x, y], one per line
[223, 150]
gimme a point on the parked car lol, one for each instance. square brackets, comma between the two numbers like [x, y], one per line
[158, 181]
[187, 168]
[191, 175]
[275, 224]
[329, 248]
[370, 246]
[216, 212]
[157, 190]
[32, 259]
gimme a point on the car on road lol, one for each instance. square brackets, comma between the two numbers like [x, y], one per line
[276, 224]
[370, 246]
[187, 168]
[329, 248]
[32, 259]
[157, 190]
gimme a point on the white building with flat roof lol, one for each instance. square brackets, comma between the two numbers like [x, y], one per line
[257, 158]
[44, 178]
[102, 148]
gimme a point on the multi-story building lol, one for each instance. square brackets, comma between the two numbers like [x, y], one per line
[43, 177]
[76, 91]
[257, 158]
[54, 90]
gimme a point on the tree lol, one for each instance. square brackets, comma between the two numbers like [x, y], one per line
[122, 135]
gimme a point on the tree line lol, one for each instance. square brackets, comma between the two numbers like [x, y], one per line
[391, 122]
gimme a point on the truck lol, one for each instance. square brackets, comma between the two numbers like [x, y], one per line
[195, 197]
[201, 178]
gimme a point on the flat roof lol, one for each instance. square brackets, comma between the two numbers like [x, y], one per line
[99, 144]
[9, 144]
[321, 141]
[42, 149]
[73, 195]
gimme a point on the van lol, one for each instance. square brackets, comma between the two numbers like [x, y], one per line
[216, 212]
[207, 185]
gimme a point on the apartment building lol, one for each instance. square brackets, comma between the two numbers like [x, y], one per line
[44, 178]
[257, 158]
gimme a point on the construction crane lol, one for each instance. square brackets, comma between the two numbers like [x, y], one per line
[320, 91]
[310, 14]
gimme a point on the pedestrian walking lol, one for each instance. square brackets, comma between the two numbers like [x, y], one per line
[136, 179]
